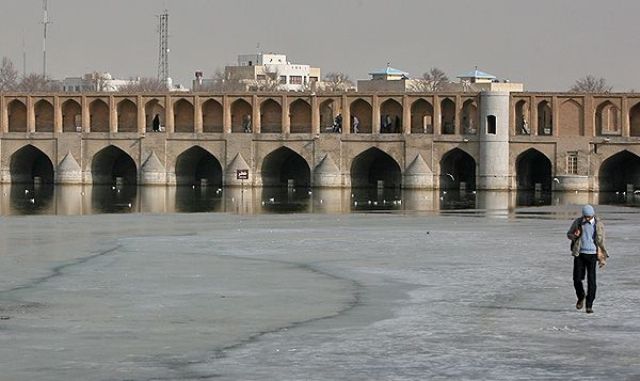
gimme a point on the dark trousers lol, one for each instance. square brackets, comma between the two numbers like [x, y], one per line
[585, 263]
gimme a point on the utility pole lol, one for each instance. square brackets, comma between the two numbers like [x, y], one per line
[45, 23]
[163, 53]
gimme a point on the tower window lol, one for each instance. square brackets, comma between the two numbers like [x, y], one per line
[491, 124]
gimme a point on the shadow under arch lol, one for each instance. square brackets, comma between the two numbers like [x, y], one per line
[618, 171]
[197, 164]
[533, 167]
[29, 163]
[284, 165]
[112, 163]
[456, 167]
[373, 166]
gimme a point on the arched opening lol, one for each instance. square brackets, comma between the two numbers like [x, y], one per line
[99, 116]
[390, 117]
[17, 116]
[448, 116]
[270, 117]
[44, 116]
[127, 116]
[153, 111]
[457, 170]
[71, 116]
[29, 165]
[607, 119]
[183, 116]
[212, 119]
[469, 117]
[533, 171]
[284, 167]
[360, 117]
[570, 119]
[196, 166]
[113, 166]
[634, 120]
[327, 116]
[241, 119]
[300, 117]
[545, 118]
[374, 168]
[619, 171]
[522, 118]
[421, 117]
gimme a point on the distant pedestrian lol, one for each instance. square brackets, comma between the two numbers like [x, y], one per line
[246, 123]
[337, 124]
[356, 124]
[587, 247]
[155, 124]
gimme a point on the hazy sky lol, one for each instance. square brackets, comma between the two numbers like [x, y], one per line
[546, 44]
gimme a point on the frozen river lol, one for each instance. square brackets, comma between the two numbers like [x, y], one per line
[401, 296]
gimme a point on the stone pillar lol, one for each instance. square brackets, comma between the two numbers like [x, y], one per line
[555, 117]
[456, 123]
[31, 115]
[346, 115]
[534, 117]
[86, 114]
[437, 118]
[286, 118]
[4, 115]
[113, 115]
[142, 120]
[624, 109]
[57, 115]
[168, 114]
[406, 115]
[588, 116]
[512, 117]
[226, 115]
[375, 118]
[256, 120]
[493, 163]
[197, 115]
[315, 115]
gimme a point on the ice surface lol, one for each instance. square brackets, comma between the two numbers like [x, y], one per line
[313, 297]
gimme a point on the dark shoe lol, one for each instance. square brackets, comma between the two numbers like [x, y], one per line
[580, 304]
[589, 310]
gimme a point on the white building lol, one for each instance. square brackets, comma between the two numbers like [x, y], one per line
[94, 82]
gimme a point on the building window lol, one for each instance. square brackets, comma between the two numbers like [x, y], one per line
[283, 79]
[295, 80]
[313, 79]
[572, 163]
[491, 124]
[261, 77]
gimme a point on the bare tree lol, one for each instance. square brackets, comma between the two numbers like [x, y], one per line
[8, 75]
[591, 84]
[435, 79]
[336, 81]
[34, 83]
[144, 85]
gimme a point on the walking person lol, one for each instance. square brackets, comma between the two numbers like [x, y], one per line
[587, 247]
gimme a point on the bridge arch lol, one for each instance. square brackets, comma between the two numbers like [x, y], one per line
[300, 116]
[71, 116]
[282, 165]
[619, 170]
[153, 107]
[43, 110]
[448, 116]
[545, 118]
[533, 167]
[28, 163]
[522, 117]
[195, 164]
[270, 116]
[607, 118]
[469, 119]
[241, 116]
[570, 118]
[328, 112]
[17, 116]
[374, 165]
[212, 116]
[99, 118]
[457, 166]
[421, 117]
[362, 110]
[112, 163]
[391, 116]
[183, 116]
[127, 116]
[634, 120]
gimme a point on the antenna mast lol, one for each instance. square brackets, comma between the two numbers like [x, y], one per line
[45, 23]
[163, 54]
